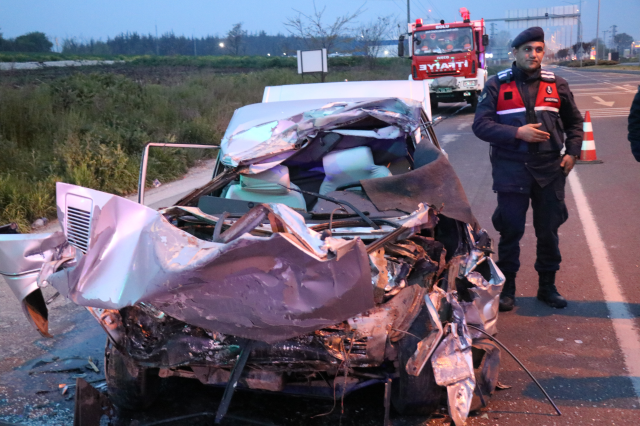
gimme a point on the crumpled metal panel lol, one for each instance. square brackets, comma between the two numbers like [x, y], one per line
[453, 364]
[274, 141]
[264, 288]
[487, 293]
[22, 256]
[427, 346]
[378, 324]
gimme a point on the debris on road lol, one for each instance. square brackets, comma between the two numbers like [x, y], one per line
[92, 366]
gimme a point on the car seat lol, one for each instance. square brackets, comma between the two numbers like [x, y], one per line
[270, 186]
[349, 166]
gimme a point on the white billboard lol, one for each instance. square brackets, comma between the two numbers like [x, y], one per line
[312, 61]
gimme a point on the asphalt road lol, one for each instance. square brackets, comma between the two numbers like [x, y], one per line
[574, 352]
[583, 355]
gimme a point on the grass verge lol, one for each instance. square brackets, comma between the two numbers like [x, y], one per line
[89, 129]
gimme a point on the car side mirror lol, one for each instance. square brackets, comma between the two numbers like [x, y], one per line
[401, 45]
[485, 40]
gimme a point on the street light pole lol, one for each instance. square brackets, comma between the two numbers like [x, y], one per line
[597, 31]
[408, 13]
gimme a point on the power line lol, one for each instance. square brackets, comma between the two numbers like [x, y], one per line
[422, 7]
[398, 6]
[438, 11]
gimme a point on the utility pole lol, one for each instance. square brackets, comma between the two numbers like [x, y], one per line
[493, 29]
[580, 49]
[597, 31]
[157, 47]
[408, 12]
[614, 30]
[194, 46]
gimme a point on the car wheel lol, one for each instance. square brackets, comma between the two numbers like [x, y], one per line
[130, 387]
[415, 394]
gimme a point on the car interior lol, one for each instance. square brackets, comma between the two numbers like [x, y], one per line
[331, 162]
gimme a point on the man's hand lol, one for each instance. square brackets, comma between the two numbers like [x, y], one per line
[530, 133]
[568, 161]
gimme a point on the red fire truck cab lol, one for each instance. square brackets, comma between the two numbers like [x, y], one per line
[451, 57]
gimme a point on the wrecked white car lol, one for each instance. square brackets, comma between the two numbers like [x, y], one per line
[333, 248]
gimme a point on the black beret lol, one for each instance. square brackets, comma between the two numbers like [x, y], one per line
[530, 34]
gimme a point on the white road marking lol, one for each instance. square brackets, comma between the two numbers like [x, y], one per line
[448, 138]
[461, 126]
[621, 318]
[601, 101]
[587, 92]
[621, 87]
[606, 112]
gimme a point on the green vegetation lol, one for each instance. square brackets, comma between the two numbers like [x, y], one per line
[30, 42]
[245, 62]
[89, 129]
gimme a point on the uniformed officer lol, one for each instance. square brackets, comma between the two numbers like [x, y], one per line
[524, 113]
[634, 126]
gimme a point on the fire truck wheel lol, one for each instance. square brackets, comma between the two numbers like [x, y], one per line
[415, 395]
[130, 387]
[473, 101]
[434, 105]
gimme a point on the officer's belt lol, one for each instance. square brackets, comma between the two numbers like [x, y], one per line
[506, 154]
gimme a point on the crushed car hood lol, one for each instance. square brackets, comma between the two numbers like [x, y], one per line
[267, 288]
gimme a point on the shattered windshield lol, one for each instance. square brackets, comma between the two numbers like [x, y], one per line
[278, 139]
[450, 40]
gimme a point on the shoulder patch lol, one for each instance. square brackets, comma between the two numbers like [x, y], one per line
[505, 76]
[547, 76]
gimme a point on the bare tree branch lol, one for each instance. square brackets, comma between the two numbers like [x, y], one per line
[368, 37]
[315, 33]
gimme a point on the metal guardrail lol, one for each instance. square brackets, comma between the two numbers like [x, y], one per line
[145, 156]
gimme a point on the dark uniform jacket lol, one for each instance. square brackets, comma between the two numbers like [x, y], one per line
[516, 163]
[634, 126]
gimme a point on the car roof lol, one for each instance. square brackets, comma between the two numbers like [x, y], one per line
[416, 90]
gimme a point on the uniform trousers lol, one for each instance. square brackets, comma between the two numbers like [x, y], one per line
[549, 212]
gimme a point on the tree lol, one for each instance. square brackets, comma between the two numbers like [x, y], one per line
[622, 41]
[562, 53]
[602, 48]
[368, 38]
[586, 47]
[317, 34]
[235, 39]
[33, 42]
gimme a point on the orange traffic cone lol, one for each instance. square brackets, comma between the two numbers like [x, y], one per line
[588, 153]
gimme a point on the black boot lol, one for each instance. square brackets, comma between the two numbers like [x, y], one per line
[508, 294]
[547, 291]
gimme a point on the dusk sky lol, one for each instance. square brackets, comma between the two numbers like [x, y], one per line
[85, 19]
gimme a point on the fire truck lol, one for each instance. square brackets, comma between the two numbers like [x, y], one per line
[451, 57]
